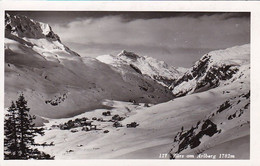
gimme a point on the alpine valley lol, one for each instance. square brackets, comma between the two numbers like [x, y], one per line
[127, 106]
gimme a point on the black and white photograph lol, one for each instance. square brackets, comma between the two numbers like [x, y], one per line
[166, 85]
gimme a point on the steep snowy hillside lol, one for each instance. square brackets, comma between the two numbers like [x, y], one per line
[225, 131]
[214, 69]
[57, 82]
[155, 69]
[228, 122]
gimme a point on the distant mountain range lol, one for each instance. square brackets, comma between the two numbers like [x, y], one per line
[58, 82]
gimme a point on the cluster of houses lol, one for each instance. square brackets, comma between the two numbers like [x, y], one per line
[117, 118]
[87, 125]
[78, 122]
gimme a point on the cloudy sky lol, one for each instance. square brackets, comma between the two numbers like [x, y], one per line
[177, 38]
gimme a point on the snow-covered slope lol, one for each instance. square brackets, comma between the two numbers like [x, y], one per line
[149, 66]
[216, 68]
[57, 82]
[228, 122]
[228, 107]
[215, 121]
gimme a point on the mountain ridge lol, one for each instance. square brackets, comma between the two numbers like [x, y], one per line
[145, 65]
[59, 83]
[213, 69]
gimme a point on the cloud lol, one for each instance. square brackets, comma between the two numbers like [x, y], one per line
[173, 56]
[196, 31]
[63, 16]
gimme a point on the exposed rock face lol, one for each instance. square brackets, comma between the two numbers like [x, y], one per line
[33, 33]
[212, 70]
[22, 26]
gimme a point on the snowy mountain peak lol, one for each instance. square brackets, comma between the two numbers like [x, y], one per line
[145, 65]
[35, 34]
[214, 69]
[22, 26]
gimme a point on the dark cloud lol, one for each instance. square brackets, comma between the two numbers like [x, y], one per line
[223, 15]
[68, 16]
[179, 38]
